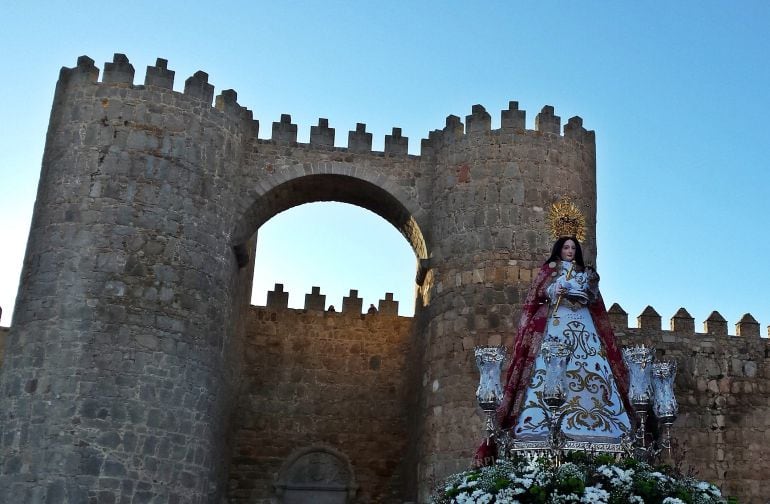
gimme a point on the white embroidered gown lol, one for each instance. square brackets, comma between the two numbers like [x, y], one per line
[593, 410]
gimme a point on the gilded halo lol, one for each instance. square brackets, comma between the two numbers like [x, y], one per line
[565, 219]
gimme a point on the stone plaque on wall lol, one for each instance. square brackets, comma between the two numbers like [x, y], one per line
[316, 475]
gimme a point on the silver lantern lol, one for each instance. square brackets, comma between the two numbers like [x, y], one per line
[490, 361]
[638, 359]
[664, 403]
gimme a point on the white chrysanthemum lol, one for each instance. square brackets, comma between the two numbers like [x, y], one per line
[672, 500]
[570, 470]
[542, 478]
[708, 488]
[605, 471]
[564, 499]
[619, 478]
[635, 499]
[595, 495]
[525, 481]
[481, 497]
[506, 496]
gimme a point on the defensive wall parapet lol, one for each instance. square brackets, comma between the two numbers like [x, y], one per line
[127, 335]
[313, 377]
[722, 386]
[351, 304]
[269, 163]
[722, 381]
[120, 73]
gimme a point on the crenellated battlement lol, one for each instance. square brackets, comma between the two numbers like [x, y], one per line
[682, 323]
[648, 322]
[120, 73]
[352, 304]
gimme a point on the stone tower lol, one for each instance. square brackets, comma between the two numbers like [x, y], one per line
[123, 359]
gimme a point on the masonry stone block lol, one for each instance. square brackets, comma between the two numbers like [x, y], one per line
[120, 71]
[315, 300]
[453, 130]
[277, 298]
[618, 317]
[396, 144]
[574, 129]
[479, 120]
[198, 87]
[715, 324]
[682, 321]
[352, 304]
[513, 118]
[747, 327]
[159, 75]
[284, 131]
[359, 140]
[322, 135]
[388, 306]
[547, 122]
[648, 319]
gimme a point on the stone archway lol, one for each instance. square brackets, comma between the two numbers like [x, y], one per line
[302, 379]
[341, 182]
[318, 475]
[376, 193]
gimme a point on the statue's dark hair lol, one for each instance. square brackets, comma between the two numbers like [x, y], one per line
[556, 251]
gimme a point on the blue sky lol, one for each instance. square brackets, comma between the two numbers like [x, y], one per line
[678, 96]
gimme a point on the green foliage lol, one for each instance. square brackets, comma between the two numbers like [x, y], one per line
[647, 489]
[500, 483]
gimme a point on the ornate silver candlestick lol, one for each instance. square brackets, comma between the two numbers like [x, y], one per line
[638, 359]
[489, 360]
[664, 404]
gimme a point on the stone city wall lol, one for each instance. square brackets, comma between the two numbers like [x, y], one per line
[722, 386]
[123, 365]
[315, 378]
[723, 389]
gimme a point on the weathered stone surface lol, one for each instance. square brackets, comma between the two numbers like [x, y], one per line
[722, 386]
[132, 329]
[316, 378]
[3, 339]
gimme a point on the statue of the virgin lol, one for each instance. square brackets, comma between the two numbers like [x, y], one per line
[564, 309]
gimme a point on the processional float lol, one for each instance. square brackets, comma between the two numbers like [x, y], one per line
[651, 392]
[651, 388]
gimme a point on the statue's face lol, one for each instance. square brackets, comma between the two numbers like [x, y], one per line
[568, 250]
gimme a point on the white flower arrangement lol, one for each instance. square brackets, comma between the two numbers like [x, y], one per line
[583, 479]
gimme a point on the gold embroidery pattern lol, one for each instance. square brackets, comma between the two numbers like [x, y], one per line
[588, 379]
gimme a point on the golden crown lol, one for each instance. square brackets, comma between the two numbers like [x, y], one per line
[565, 219]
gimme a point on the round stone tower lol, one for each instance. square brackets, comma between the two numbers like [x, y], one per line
[115, 384]
[488, 238]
